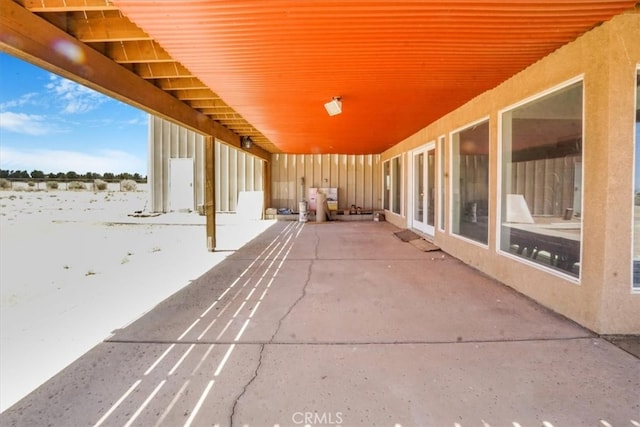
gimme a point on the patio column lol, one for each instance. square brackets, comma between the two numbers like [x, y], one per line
[210, 192]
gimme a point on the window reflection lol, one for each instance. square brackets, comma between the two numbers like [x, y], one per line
[542, 180]
[441, 152]
[431, 186]
[387, 185]
[392, 173]
[636, 192]
[396, 185]
[470, 182]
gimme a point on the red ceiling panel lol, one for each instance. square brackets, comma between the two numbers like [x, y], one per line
[398, 65]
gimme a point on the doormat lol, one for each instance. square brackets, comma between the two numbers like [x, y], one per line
[407, 235]
[424, 246]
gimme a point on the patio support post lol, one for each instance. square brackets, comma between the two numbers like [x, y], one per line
[210, 192]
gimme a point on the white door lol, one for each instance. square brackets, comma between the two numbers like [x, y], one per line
[181, 195]
[423, 189]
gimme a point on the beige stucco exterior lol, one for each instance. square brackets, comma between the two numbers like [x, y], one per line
[606, 59]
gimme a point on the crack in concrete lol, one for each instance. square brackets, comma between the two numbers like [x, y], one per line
[295, 303]
[263, 345]
[246, 386]
[304, 289]
[315, 249]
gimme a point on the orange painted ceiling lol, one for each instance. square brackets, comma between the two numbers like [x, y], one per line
[398, 65]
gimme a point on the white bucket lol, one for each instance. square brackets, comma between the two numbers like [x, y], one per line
[304, 214]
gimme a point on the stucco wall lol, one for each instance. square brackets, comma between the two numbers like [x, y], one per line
[606, 58]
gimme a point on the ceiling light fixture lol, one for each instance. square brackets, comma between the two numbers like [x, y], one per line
[334, 106]
[246, 142]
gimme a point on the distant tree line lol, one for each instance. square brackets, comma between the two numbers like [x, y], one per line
[71, 175]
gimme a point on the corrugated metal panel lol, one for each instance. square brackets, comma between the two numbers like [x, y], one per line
[397, 65]
[236, 170]
[170, 141]
[357, 178]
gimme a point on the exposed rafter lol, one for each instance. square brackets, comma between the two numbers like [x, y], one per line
[98, 26]
[265, 69]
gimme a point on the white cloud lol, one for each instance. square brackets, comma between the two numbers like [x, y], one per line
[27, 98]
[29, 124]
[76, 99]
[64, 161]
[140, 119]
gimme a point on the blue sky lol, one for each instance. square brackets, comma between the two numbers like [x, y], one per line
[52, 124]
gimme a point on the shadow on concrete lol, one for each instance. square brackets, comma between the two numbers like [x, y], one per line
[343, 324]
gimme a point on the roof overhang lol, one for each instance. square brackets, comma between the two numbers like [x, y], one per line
[266, 69]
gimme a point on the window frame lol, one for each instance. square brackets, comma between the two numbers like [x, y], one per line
[468, 125]
[634, 289]
[498, 228]
[392, 182]
[386, 193]
[441, 146]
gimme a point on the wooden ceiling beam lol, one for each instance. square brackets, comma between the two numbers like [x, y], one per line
[31, 38]
[230, 115]
[193, 94]
[247, 130]
[162, 70]
[208, 103]
[104, 26]
[180, 83]
[226, 121]
[48, 6]
[137, 51]
[216, 112]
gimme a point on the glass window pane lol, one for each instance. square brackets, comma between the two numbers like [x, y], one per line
[636, 191]
[431, 186]
[418, 185]
[441, 152]
[387, 184]
[542, 180]
[470, 182]
[396, 184]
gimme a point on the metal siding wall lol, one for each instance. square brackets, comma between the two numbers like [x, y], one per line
[343, 167]
[154, 175]
[236, 170]
[233, 179]
[241, 166]
[308, 174]
[351, 181]
[254, 170]
[360, 192]
[357, 178]
[170, 141]
[369, 196]
[298, 164]
[222, 185]
[253, 174]
[275, 181]
[547, 185]
[199, 155]
[217, 148]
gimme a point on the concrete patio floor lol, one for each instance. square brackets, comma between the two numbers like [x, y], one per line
[343, 324]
